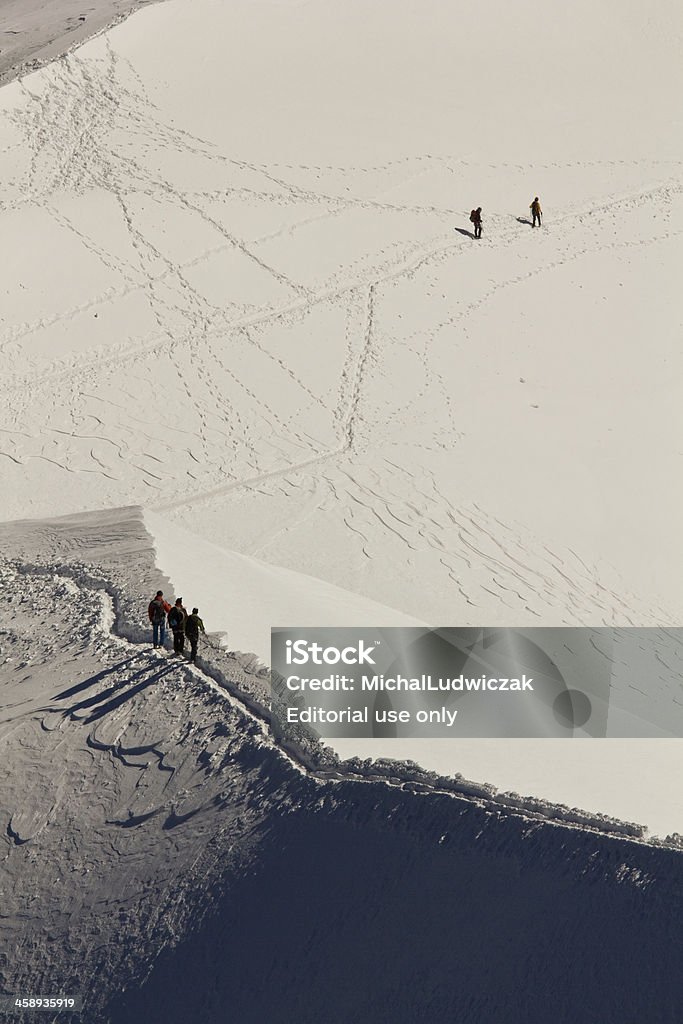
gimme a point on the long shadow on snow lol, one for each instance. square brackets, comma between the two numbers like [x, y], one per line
[122, 698]
[92, 680]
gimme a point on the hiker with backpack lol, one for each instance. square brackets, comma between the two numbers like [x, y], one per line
[475, 218]
[193, 627]
[158, 610]
[535, 212]
[177, 618]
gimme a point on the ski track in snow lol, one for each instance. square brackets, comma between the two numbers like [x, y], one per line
[243, 403]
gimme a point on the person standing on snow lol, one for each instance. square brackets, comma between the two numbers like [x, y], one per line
[193, 628]
[535, 212]
[475, 217]
[177, 617]
[158, 610]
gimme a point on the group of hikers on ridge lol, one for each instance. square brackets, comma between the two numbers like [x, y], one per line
[180, 623]
[536, 214]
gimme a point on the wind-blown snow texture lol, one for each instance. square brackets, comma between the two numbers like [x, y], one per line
[164, 858]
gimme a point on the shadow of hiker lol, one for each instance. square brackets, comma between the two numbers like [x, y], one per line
[464, 231]
[91, 680]
[109, 691]
[122, 698]
[524, 220]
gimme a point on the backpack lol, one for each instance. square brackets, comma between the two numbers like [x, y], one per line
[473, 216]
[156, 611]
[175, 618]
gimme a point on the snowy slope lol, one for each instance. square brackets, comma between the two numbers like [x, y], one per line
[265, 318]
[244, 597]
[241, 293]
[163, 859]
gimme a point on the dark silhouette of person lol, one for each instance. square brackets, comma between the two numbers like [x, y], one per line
[193, 627]
[177, 617]
[536, 212]
[475, 217]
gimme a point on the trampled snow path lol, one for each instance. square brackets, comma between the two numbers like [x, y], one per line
[134, 458]
[236, 403]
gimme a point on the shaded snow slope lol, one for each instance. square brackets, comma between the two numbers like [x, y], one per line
[635, 780]
[36, 31]
[367, 904]
[111, 788]
[167, 861]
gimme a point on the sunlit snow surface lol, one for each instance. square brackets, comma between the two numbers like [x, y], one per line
[241, 292]
[622, 778]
